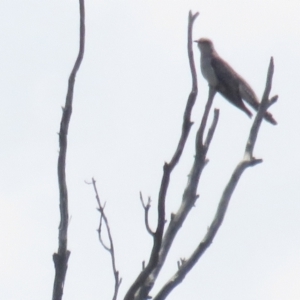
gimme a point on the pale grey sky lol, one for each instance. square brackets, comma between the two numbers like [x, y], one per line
[128, 105]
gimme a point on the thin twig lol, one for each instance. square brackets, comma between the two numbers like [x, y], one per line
[140, 282]
[248, 161]
[146, 209]
[62, 256]
[100, 231]
[109, 248]
[200, 133]
[212, 129]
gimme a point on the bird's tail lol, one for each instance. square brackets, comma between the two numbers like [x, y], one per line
[249, 96]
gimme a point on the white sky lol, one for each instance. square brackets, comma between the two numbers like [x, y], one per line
[128, 105]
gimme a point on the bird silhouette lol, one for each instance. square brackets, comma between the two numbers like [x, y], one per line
[227, 81]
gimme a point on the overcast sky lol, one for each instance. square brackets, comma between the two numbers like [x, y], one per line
[129, 98]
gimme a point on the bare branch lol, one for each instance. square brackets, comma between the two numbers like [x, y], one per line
[212, 129]
[62, 256]
[190, 194]
[146, 209]
[99, 230]
[140, 281]
[248, 161]
[109, 248]
[200, 133]
[265, 104]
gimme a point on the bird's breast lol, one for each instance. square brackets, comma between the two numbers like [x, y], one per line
[208, 71]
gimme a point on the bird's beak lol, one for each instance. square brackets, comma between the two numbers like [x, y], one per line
[196, 41]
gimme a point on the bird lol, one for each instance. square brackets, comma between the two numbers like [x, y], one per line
[226, 80]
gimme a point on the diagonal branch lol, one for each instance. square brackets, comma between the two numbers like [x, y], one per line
[212, 129]
[190, 194]
[109, 248]
[61, 257]
[248, 161]
[168, 168]
[200, 133]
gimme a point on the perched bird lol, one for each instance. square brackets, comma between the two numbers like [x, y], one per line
[226, 81]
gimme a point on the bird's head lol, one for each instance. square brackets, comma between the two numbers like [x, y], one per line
[205, 45]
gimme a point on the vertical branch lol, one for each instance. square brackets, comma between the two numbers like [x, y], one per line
[265, 104]
[61, 257]
[140, 282]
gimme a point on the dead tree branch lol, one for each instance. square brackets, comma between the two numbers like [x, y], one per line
[200, 133]
[140, 282]
[248, 161]
[61, 257]
[146, 209]
[109, 248]
[265, 104]
[190, 194]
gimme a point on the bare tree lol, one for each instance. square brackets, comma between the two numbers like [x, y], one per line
[164, 234]
[163, 237]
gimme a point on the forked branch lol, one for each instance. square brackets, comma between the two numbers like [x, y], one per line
[146, 208]
[110, 248]
[142, 280]
[248, 161]
[190, 194]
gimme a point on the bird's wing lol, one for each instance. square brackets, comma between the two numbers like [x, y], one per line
[228, 83]
[233, 87]
[225, 74]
